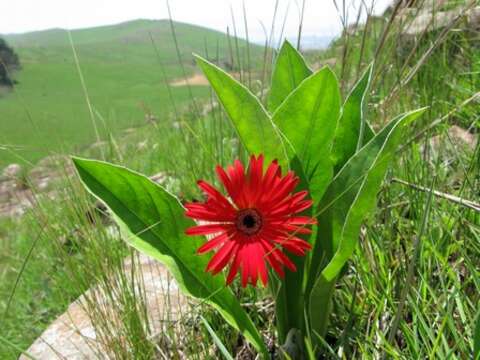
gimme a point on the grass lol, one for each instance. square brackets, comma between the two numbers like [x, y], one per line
[45, 296]
[417, 262]
[126, 68]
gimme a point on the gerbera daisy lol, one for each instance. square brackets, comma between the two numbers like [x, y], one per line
[256, 222]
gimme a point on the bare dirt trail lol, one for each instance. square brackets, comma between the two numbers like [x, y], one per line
[194, 80]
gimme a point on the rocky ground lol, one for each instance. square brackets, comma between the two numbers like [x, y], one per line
[21, 189]
[74, 335]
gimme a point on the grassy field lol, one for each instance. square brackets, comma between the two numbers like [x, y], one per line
[412, 290]
[126, 69]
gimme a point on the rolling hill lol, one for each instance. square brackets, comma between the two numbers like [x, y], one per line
[125, 68]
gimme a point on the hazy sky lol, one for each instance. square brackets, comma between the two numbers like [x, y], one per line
[321, 16]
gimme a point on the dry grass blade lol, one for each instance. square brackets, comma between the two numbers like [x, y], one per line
[455, 199]
[426, 55]
[438, 121]
[84, 88]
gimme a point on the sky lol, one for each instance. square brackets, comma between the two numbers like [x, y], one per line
[321, 18]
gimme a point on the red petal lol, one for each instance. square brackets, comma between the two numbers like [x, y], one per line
[279, 256]
[296, 229]
[203, 212]
[282, 211]
[294, 245]
[213, 243]
[206, 229]
[254, 261]
[303, 205]
[272, 260]
[215, 195]
[294, 249]
[301, 220]
[233, 268]
[249, 262]
[237, 176]
[284, 259]
[300, 243]
[221, 258]
[262, 269]
[244, 272]
[255, 179]
[227, 182]
[270, 174]
[280, 190]
[288, 202]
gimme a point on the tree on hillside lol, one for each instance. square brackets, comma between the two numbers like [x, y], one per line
[8, 62]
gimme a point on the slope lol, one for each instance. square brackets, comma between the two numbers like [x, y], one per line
[125, 68]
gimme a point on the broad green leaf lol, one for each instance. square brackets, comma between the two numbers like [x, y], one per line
[290, 70]
[352, 125]
[290, 296]
[308, 119]
[253, 124]
[348, 200]
[155, 223]
[368, 134]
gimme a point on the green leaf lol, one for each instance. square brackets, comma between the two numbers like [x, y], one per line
[348, 200]
[155, 223]
[308, 119]
[217, 340]
[352, 125]
[476, 339]
[309, 349]
[368, 134]
[290, 70]
[290, 296]
[251, 120]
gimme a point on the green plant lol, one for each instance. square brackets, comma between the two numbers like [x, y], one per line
[339, 159]
[476, 339]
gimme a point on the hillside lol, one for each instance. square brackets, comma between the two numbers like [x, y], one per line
[125, 76]
[403, 206]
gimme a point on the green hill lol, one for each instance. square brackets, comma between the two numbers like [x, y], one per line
[125, 77]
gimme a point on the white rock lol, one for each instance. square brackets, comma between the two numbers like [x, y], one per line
[12, 171]
[73, 335]
[434, 20]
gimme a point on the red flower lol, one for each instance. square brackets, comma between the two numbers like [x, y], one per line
[255, 224]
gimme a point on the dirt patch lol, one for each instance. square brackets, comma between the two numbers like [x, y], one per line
[194, 80]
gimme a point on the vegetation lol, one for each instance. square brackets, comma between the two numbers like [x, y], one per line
[125, 69]
[8, 62]
[411, 290]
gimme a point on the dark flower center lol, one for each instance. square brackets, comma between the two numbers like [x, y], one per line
[249, 221]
